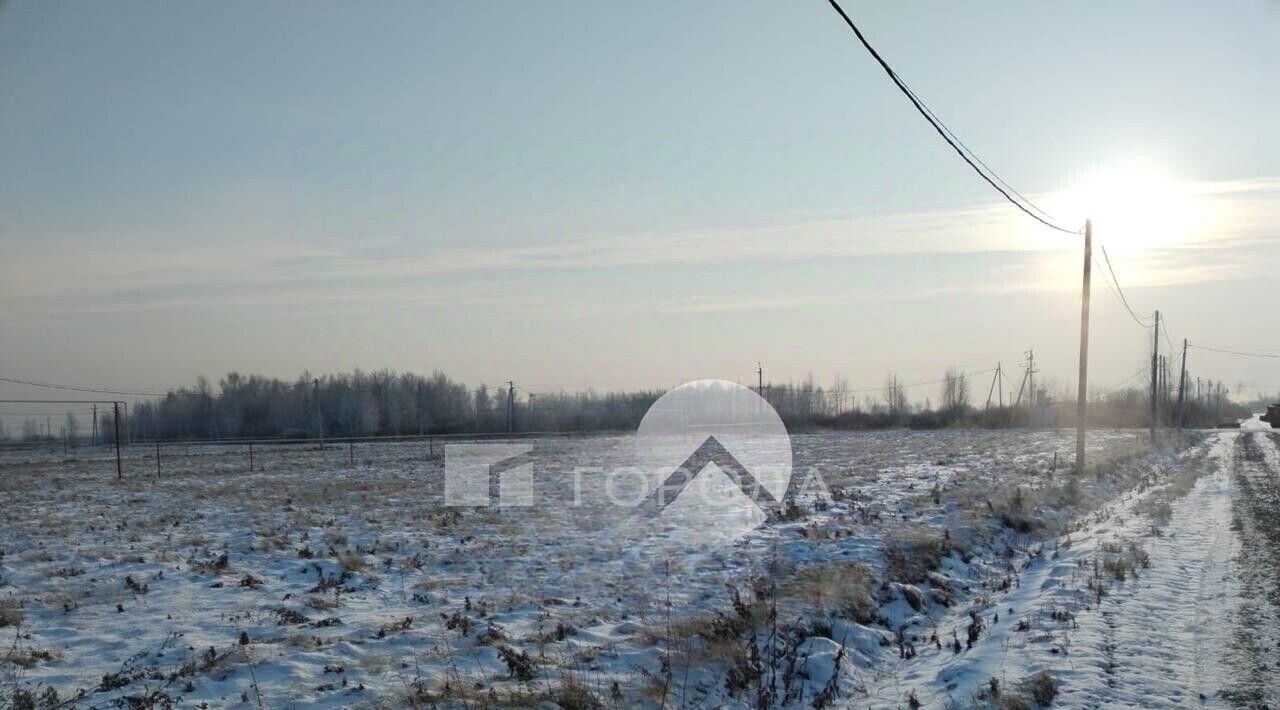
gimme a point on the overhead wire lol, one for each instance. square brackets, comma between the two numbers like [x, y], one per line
[1119, 292]
[1232, 352]
[987, 174]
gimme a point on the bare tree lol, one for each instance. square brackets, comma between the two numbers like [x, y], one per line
[955, 392]
[895, 396]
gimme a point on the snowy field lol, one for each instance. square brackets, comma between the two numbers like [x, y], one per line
[943, 569]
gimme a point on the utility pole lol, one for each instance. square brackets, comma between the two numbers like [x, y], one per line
[1164, 383]
[1000, 387]
[1082, 390]
[511, 406]
[319, 418]
[95, 425]
[1155, 363]
[1182, 383]
[115, 409]
[1029, 379]
[1013, 411]
[994, 379]
[760, 379]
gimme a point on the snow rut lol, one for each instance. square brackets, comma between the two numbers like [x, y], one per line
[1162, 631]
[1254, 647]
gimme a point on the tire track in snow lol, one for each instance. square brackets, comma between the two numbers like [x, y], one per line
[1254, 647]
[1160, 634]
[1153, 622]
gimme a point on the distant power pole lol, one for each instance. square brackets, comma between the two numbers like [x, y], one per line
[1155, 384]
[115, 409]
[1013, 410]
[511, 406]
[994, 380]
[1000, 387]
[1164, 383]
[95, 425]
[1182, 383]
[1083, 389]
[1031, 388]
[760, 379]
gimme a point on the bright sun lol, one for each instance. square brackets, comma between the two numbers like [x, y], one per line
[1134, 208]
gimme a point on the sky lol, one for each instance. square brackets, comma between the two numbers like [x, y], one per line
[619, 195]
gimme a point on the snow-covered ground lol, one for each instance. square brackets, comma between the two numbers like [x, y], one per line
[942, 561]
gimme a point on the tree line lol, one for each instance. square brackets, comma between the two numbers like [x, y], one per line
[387, 403]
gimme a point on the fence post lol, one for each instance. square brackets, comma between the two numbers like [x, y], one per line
[351, 452]
[251, 457]
[157, 460]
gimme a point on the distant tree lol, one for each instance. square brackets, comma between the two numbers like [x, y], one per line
[73, 426]
[895, 397]
[955, 393]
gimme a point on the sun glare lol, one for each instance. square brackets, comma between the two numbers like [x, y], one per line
[1135, 209]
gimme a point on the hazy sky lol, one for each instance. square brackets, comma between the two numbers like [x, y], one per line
[625, 194]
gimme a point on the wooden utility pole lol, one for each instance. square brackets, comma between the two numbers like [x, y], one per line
[1031, 385]
[1155, 384]
[95, 425]
[115, 408]
[1013, 411]
[1082, 390]
[1182, 383]
[1028, 381]
[1000, 387]
[994, 379]
[1164, 383]
[511, 406]
[760, 379]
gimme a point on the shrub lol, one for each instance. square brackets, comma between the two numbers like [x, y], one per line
[518, 663]
[838, 588]
[910, 558]
[1041, 687]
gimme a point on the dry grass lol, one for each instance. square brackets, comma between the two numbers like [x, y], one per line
[911, 555]
[10, 614]
[840, 589]
[28, 658]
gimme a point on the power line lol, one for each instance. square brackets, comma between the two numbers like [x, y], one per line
[1232, 352]
[77, 388]
[1140, 371]
[966, 155]
[1119, 292]
[1164, 325]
